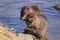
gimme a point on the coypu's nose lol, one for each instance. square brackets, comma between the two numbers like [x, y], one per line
[23, 18]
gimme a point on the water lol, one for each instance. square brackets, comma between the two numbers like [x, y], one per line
[10, 13]
[15, 23]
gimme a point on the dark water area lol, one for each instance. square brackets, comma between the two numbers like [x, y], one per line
[10, 13]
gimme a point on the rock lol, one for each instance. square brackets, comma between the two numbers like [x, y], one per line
[57, 7]
[26, 37]
[5, 34]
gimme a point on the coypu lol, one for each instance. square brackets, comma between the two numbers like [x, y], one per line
[36, 21]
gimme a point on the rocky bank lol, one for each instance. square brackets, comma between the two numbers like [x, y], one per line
[6, 34]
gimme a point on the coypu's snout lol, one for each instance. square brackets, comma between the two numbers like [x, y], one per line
[23, 17]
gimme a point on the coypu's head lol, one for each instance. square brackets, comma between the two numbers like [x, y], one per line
[29, 14]
[26, 10]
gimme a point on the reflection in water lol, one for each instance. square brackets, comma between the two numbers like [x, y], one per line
[11, 10]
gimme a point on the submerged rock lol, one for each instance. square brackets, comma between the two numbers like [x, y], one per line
[5, 34]
[57, 7]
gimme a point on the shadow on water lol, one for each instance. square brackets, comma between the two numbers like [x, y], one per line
[10, 13]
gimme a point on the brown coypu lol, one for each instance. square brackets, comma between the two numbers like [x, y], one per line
[36, 21]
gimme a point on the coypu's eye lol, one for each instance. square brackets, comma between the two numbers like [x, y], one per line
[30, 15]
